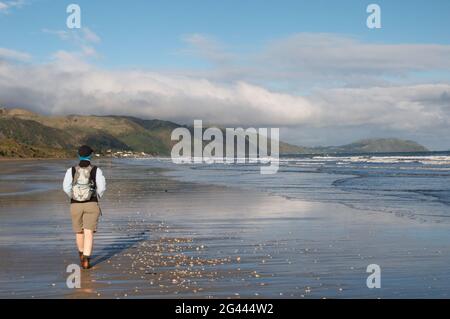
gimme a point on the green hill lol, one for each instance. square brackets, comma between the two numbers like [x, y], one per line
[63, 134]
[34, 135]
[376, 145]
[27, 134]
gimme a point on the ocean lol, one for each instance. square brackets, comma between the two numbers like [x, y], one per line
[412, 185]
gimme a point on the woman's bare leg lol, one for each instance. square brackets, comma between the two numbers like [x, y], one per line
[80, 241]
[88, 242]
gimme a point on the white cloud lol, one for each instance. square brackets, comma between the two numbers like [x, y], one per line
[84, 39]
[62, 34]
[309, 60]
[330, 60]
[90, 36]
[14, 55]
[404, 108]
[345, 55]
[209, 49]
[5, 6]
[70, 85]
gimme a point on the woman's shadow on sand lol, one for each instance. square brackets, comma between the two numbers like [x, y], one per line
[118, 246]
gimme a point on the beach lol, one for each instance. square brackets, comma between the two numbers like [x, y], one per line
[168, 233]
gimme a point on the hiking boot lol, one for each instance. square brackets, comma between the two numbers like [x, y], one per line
[85, 262]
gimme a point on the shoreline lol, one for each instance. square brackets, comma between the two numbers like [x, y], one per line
[148, 156]
[11, 159]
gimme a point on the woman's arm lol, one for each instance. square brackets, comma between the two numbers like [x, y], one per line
[101, 182]
[67, 183]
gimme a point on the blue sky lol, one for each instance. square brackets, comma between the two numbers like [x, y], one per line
[312, 68]
[149, 33]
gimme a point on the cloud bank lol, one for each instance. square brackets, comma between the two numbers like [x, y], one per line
[69, 84]
[306, 60]
[8, 54]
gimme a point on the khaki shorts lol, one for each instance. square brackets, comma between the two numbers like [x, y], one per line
[84, 216]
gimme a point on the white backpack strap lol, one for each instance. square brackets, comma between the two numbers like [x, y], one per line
[75, 174]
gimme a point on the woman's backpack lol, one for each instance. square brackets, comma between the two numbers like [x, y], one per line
[83, 183]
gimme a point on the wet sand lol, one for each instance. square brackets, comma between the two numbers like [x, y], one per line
[161, 238]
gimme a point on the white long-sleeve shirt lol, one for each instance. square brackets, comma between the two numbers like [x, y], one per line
[99, 181]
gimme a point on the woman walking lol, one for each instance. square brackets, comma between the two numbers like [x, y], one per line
[84, 184]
